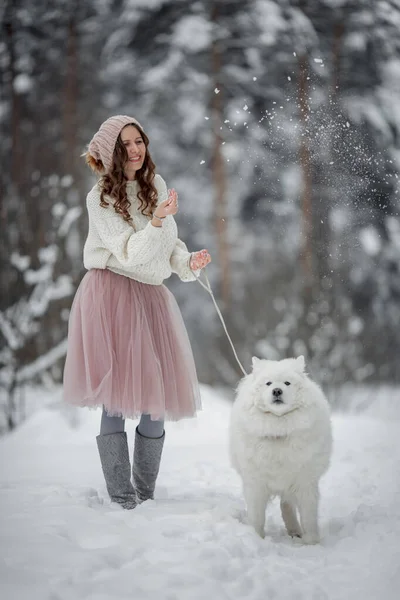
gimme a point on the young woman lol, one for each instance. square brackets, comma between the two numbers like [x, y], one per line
[128, 349]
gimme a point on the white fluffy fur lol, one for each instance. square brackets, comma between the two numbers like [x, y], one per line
[281, 448]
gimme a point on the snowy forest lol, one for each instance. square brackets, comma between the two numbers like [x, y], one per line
[278, 123]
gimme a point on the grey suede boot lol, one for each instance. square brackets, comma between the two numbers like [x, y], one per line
[146, 464]
[114, 457]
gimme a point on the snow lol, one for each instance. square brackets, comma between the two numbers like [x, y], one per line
[159, 74]
[9, 334]
[20, 262]
[356, 41]
[335, 3]
[360, 109]
[66, 181]
[192, 33]
[63, 540]
[269, 17]
[43, 362]
[146, 4]
[41, 275]
[23, 83]
[393, 226]
[370, 240]
[69, 219]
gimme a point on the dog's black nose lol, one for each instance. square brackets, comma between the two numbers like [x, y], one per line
[277, 393]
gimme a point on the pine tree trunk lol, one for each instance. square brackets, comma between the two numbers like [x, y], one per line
[70, 95]
[218, 169]
[14, 96]
[307, 259]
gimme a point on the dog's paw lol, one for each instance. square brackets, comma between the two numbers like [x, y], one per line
[260, 532]
[294, 533]
[310, 538]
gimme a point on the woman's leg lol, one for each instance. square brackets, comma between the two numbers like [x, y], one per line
[149, 442]
[149, 428]
[111, 424]
[114, 456]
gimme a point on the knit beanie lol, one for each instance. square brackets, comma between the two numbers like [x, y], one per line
[101, 148]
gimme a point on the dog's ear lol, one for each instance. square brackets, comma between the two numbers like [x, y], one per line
[300, 363]
[255, 362]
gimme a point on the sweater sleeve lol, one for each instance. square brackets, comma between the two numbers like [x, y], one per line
[179, 260]
[129, 247]
[180, 256]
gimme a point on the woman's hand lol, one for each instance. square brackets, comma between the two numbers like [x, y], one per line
[199, 260]
[169, 206]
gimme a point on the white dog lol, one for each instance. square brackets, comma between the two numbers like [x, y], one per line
[280, 443]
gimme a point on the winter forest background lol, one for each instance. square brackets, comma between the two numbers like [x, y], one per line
[278, 122]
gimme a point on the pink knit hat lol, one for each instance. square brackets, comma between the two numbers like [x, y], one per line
[102, 145]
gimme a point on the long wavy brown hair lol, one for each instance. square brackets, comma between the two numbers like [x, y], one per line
[113, 184]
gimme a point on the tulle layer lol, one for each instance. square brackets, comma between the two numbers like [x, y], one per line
[128, 350]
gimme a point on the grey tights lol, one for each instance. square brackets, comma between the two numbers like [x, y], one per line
[146, 427]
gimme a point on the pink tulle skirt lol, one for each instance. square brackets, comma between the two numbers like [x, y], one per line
[128, 350]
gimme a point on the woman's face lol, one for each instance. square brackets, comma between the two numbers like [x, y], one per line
[136, 149]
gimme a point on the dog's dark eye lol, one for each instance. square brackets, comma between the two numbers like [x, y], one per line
[287, 382]
[269, 382]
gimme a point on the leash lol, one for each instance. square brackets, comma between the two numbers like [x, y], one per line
[209, 290]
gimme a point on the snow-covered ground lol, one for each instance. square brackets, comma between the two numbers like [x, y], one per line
[61, 539]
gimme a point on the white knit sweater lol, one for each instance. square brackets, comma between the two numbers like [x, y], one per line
[143, 252]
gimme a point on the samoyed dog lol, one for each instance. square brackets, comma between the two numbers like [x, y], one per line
[280, 443]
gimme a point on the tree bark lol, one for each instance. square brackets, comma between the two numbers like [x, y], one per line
[306, 252]
[70, 95]
[14, 96]
[218, 168]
